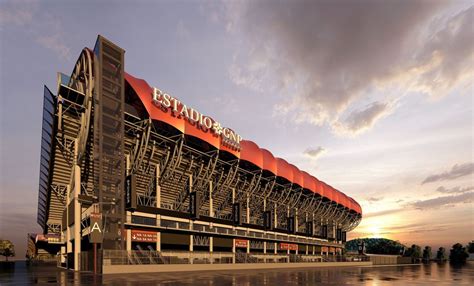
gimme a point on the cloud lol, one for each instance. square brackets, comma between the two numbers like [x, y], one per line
[44, 28]
[361, 120]
[343, 63]
[383, 213]
[374, 199]
[15, 15]
[456, 171]
[444, 201]
[454, 190]
[314, 153]
[56, 44]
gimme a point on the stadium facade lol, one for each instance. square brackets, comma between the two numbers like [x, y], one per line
[130, 174]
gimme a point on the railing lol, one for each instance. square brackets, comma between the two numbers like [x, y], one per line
[133, 257]
[171, 224]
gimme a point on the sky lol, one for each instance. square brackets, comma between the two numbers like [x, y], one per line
[373, 97]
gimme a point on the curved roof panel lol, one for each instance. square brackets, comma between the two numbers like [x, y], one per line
[144, 92]
[284, 169]
[250, 152]
[297, 175]
[269, 162]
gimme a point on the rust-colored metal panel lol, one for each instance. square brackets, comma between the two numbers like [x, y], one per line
[318, 186]
[284, 170]
[145, 93]
[308, 181]
[269, 161]
[251, 153]
[328, 193]
[297, 175]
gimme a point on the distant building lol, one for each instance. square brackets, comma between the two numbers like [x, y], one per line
[130, 174]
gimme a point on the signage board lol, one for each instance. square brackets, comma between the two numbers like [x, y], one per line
[267, 220]
[288, 246]
[241, 243]
[144, 236]
[130, 193]
[180, 110]
[194, 205]
[96, 231]
[236, 213]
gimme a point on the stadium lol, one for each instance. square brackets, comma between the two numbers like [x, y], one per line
[131, 175]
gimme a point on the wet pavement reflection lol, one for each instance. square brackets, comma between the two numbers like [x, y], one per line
[431, 274]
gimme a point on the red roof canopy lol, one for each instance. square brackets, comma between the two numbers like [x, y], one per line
[249, 151]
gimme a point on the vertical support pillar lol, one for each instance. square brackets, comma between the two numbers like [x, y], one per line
[157, 186]
[296, 220]
[275, 249]
[211, 202]
[68, 248]
[77, 209]
[158, 233]
[129, 239]
[265, 247]
[275, 217]
[248, 209]
[233, 250]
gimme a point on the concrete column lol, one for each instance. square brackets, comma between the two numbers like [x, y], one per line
[158, 234]
[211, 244]
[248, 246]
[307, 249]
[129, 239]
[157, 186]
[248, 209]
[265, 247]
[296, 220]
[211, 202]
[275, 218]
[191, 244]
[275, 250]
[68, 229]
[77, 209]
[158, 241]
[233, 250]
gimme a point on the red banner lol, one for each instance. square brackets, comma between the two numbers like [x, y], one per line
[144, 236]
[288, 246]
[241, 243]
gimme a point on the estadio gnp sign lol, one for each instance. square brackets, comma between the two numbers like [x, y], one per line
[205, 123]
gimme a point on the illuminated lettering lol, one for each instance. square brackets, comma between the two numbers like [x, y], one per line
[194, 115]
[228, 136]
[166, 100]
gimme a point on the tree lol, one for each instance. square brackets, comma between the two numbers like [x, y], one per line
[7, 248]
[375, 246]
[458, 254]
[441, 254]
[414, 252]
[427, 254]
[470, 247]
